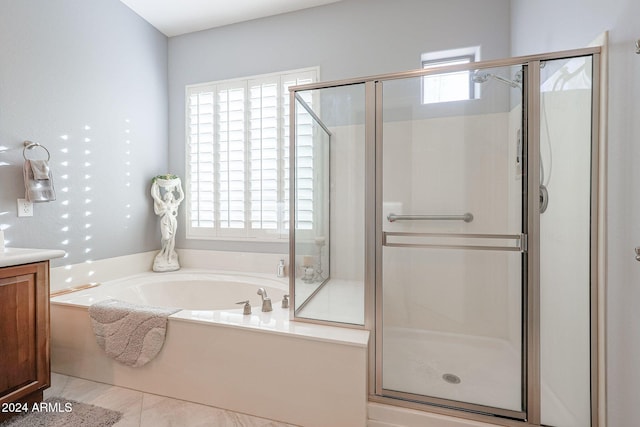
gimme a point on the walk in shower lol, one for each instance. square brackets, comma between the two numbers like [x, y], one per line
[463, 234]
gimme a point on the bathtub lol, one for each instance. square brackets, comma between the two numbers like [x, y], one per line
[261, 364]
[186, 289]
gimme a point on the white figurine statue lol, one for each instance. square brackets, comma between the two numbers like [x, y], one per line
[167, 194]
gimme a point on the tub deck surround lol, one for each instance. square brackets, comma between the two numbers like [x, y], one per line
[261, 364]
[188, 280]
[276, 322]
[90, 271]
[18, 256]
[127, 265]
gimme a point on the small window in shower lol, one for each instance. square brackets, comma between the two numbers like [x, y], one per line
[451, 86]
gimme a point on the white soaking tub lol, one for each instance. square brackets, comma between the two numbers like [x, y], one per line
[261, 364]
[185, 289]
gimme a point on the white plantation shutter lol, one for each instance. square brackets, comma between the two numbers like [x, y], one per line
[238, 157]
[304, 187]
[264, 154]
[201, 158]
[304, 167]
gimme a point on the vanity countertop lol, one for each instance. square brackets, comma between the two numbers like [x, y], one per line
[17, 256]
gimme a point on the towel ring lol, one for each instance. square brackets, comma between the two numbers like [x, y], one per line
[28, 145]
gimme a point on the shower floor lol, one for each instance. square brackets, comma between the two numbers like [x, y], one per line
[420, 362]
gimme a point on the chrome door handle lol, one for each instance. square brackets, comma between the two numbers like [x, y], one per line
[638, 253]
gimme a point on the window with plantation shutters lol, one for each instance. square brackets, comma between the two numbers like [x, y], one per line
[238, 157]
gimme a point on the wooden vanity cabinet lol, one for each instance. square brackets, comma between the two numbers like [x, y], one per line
[24, 332]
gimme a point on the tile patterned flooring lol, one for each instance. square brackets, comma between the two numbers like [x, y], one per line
[149, 410]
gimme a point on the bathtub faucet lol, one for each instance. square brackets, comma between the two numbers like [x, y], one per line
[266, 301]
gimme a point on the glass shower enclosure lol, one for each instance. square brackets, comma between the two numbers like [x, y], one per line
[328, 212]
[462, 234]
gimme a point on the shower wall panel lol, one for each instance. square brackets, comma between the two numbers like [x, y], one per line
[564, 257]
[347, 202]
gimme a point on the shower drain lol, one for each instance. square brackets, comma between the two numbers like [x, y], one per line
[451, 378]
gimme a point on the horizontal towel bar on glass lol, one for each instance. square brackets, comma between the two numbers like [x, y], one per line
[394, 217]
[488, 242]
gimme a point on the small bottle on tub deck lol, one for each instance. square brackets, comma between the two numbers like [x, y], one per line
[281, 272]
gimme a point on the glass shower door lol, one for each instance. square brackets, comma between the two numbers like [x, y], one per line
[451, 243]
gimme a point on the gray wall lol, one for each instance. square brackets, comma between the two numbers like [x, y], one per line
[66, 65]
[549, 25]
[351, 38]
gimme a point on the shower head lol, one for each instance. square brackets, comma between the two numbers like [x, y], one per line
[483, 77]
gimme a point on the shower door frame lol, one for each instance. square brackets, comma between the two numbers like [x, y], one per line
[531, 389]
[443, 405]
[531, 415]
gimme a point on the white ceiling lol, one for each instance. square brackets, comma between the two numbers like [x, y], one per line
[175, 17]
